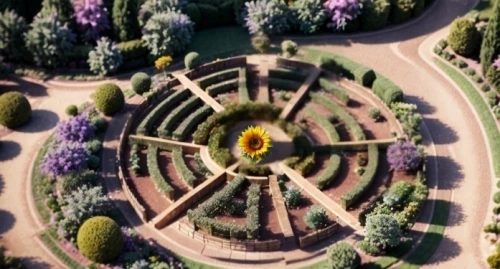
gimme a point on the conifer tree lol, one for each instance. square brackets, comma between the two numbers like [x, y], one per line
[491, 41]
[125, 23]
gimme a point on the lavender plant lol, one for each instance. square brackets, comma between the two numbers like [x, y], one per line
[266, 16]
[64, 158]
[342, 12]
[151, 7]
[12, 28]
[79, 206]
[403, 156]
[308, 15]
[49, 40]
[105, 58]
[91, 19]
[77, 129]
[168, 33]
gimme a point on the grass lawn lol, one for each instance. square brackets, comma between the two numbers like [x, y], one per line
[195, 265]
[51, 244]
[39, 183]
[487, 120]
[484, 9]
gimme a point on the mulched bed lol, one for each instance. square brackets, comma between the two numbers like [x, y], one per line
[269, 222]
[168, 171]
[227, 98]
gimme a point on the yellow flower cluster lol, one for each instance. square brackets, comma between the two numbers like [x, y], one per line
[255, 143]
[163, 62]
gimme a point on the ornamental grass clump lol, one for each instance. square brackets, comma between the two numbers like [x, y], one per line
[76, 129]
[403, 156]
[342, 12]
[66, 157]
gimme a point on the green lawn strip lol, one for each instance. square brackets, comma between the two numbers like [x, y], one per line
[50, 243]
[488, 121]
[194, 264]
[432, 238]
[37, 183]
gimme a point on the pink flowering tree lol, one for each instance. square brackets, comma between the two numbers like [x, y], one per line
[403, 156]
[342, 12]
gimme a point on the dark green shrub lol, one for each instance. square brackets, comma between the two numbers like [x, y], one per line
[94, 146]
[418, 8]
[289, 48]
[464, 38]
[192, 60]
[375, 14]
[217, 148]
[94, 162]
[491, 40]
[15, 109]
[133, 49]
[261, 43]
[255, 170]
[492, 228]
[438, 50]
[194, 14]
[387, 91]
[100, 239]
[383, 231]
[496, 197]
[209, 15]
[141, 82]
[108, 98]
[485, 88]
[71, 110]
[226, 13]
[364, 76]
[477, 78]
[99, 123]
[494, 260]
[459, 63]
[401, 10]
[292, 197]
[283, 84]
[342, 255]
[72, 181]
[493, 77]
[496, 210]
[374, 113]
[125, 25]
[316, 217]
[447, 56]
[368, 248]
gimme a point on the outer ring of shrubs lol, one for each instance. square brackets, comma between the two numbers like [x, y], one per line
[108, 98]
[15, 109]
[100, 239]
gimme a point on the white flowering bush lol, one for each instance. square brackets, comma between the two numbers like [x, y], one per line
[105, 58]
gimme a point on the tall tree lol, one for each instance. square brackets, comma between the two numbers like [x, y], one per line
[24, 8]
[125, 23]
[63, 8]
[491, 41]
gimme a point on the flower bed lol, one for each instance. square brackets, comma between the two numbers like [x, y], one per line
[182, 170]
[330, 173]
[155, 173]
[324, 123]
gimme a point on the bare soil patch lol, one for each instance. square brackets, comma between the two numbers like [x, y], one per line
[168, 172]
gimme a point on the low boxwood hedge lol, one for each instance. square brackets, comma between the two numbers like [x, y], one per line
[167, 126]
[218, 77]
[181, 168]
[155, 173]
[255, 170]
[363, 185]
[287, 74]
[253, 198]
[146, 124]
[335, 90]
[243, 94]
[328, 175]
[387, 91]
[364, 76]
[351, 123]
[217, 149]
[324, 123]
[223, 87]
[284, 84]
[188, 124]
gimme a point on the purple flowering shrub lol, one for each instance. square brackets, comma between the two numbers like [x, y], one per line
[136, 248]
[76, 129]
[496, 63]
[65, 157]
[92, 18]
[403, 156]
[342, 11]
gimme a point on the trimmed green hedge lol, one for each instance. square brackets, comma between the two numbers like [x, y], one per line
[363, 185]
[253, 198]
[364, 76]
[324, 123]
[223, 87]
[255, 170]
[235, 112]
[335, 90]
[201, 165]
[387, 90]
[100, 239]
[217, 149]
[167, 126]
[288, 74]
[305, 164]
[351, 123]
[182, 170]
[147, 123]
[218, 77]
[155, 173]
[243, 94]
[339, 64]
[284, 84]
[190, 122]
[328, 175]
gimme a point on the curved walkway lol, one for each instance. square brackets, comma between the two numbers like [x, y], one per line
[461, 156]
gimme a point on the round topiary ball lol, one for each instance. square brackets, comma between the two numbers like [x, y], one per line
[464, 37]
[100, 239]
[192, 60]
[99, 123]
[141, 82]
[341, 255]
[289, 48]
[15, 109]
[108, 98]
[72, 110]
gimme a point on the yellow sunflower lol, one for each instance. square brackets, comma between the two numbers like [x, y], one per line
[254, 143]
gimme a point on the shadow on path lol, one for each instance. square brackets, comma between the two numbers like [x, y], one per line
[2, 184]
[25, 87]
[442, 133]
[450, 173]
[9, 150]
[424, 107]
[453, 249]
[7, 221]
[41, 120]
[457, 216]
[34, 262]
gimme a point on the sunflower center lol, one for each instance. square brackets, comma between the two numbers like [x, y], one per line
[256, 143]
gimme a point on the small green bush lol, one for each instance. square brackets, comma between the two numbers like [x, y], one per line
[292, 197]
[341, 255]
[375, 14]
[493, 77]
[94, 162]
[261, 43]
[496, 210]
[485, 88]
[382, 231]
[108, 98]
[496, 198]
[141, 82]
[368, 248]
[289, 48]
[464, 38]
[477, 78]
[374, 113]
[192, 60]
[74, 180]
[100, 239]
[316, 217]
[15, 109]
[72, 110]
[364, 76]
[94, 146]
[469, 71]
[494, 260]
[387, 90]
[255, 170]
[99, 123]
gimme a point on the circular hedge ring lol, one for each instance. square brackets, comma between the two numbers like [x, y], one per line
[108, 98]
[100, 239]
[15, 109]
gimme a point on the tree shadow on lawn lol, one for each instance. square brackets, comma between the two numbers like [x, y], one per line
[7, 222]
[41, 120]
[9, 150]
[451, 249]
